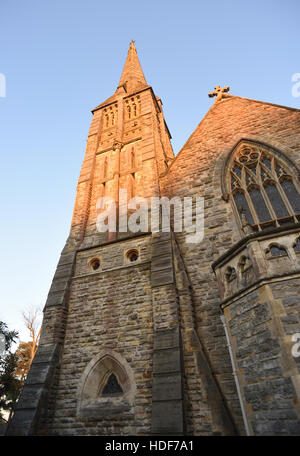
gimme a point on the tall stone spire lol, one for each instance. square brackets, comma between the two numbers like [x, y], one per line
[132, 76]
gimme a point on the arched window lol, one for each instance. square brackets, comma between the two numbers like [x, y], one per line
[244, 263]
[112, 387]
[107, 386]
[230, 274]
[263, 188]
[275, 250]
[132, 157]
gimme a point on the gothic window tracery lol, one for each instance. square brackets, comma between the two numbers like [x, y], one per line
[133, 107]
[263, 188]
[110, 115]
[275, 250]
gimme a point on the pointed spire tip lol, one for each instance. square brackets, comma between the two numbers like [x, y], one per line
[132, 76]
[132, 45]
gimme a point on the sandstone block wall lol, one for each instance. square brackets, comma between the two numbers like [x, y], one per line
[198, 170]
[109, 309]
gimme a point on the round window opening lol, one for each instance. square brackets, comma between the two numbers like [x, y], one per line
[95, 264]
[132, 255]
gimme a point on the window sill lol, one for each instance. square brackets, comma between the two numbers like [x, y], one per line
[102, 408]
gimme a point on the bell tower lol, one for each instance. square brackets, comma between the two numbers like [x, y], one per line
[128, 147]
[111, 319]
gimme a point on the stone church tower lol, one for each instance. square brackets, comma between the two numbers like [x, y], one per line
[147, 334]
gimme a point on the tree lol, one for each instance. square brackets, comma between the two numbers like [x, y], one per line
[24, 357]
[32, 324]
[27, 350]
[10, 384]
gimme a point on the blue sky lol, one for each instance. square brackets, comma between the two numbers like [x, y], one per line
[62, 58]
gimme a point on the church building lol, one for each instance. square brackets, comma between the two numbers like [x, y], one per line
[145, 333]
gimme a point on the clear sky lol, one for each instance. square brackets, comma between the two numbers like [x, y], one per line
[62, 58]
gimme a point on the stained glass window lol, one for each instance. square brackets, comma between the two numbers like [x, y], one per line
[276, 201]
[259, 205]
[292, 194]
[263, 188]
[241, 204]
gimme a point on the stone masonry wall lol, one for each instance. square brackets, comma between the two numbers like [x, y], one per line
[110, 309]
[197, 171]
[264, 360]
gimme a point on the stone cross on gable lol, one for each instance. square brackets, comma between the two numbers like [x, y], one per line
[218, 92]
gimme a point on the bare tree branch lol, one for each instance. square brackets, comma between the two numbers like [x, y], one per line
[32, 323]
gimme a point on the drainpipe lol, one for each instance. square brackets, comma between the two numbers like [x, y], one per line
[236, 377]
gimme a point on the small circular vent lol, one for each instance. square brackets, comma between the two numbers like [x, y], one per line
[132, 255]
[95, 264]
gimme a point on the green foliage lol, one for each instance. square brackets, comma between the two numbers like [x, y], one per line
[10, 336]
[10, 384]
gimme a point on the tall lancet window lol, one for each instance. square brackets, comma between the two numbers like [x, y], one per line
[132, 158]
[263, 188]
